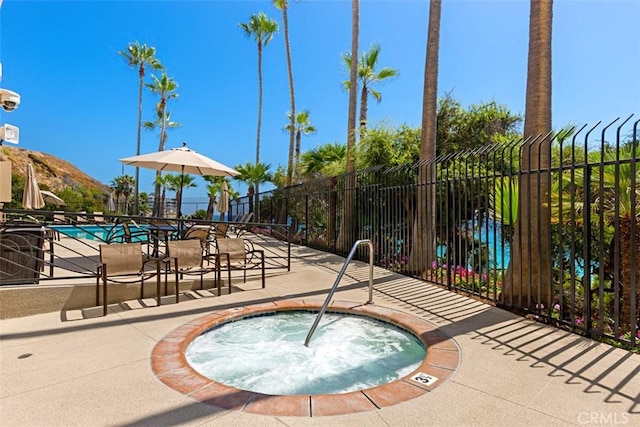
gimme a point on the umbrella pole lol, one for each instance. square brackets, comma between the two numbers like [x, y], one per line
[180, 201]
[180, 220]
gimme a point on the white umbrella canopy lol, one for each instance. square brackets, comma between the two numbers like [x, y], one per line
[223, 201]
[32, 198]
[50, 197]
[183, 160]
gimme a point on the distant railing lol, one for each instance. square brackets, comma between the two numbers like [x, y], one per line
[41, 245]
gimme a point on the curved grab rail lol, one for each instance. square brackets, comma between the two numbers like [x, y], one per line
[335, 284]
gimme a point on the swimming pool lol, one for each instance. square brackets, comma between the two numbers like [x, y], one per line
[102, 233]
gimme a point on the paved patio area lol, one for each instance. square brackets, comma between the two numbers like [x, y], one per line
[72, 369]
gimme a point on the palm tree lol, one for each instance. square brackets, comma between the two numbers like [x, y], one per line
[213, 189]
[283, 5]
[504, 200]
[253, 175]
[177, 183]
[346, 230]
[262, 29]
[324, 160]
[172, 183]
[140, 56]
[527, 268]
[615, 204]
[123, 185]
[302, 124]
[423, 250]
[163, 182]
[368, 76]
[116, 187]
[165, 87]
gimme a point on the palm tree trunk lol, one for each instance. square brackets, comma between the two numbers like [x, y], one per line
[137, 187]
[297, 164]
[162, 200]
[527, 282]
[423, 234]
[346, 234]
[292, 98]
[364, 99]
[212, 202]
[163, 136]
[256, 213]
[628, 313]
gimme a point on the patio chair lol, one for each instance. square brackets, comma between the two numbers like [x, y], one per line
[161, 231]
[136, 235]
[201, 234]
[238, 254]
[186, 257]
[220, 230]
[123, 263]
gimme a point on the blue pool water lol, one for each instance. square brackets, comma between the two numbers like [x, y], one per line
[489, 232]
[101, 233]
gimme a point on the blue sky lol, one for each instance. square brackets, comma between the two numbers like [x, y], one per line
[79, 98]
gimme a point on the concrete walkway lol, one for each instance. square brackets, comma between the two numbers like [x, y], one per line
[96, 371]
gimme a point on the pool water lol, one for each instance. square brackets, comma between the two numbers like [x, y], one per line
[266, 353]
[105, 233]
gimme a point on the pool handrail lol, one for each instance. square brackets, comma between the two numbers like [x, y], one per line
[335, 285]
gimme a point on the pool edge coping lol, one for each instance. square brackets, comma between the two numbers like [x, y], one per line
[170, 366]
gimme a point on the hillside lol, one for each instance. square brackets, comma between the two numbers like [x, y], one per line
[56, 173]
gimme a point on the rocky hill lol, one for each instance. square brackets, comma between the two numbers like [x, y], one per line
[56, 173]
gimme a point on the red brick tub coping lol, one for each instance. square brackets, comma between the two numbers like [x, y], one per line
[169, 364]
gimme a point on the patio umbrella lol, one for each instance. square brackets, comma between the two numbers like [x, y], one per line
[181, 160]
[32, 198]
[50, 197]
[223, 202]
[111, 204]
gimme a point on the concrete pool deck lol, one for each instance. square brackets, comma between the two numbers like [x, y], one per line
[94, 371]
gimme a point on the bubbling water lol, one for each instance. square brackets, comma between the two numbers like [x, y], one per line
[266, 353]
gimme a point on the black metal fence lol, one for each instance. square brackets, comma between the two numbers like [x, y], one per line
[549, 225]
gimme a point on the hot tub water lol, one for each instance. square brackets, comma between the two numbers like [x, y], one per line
[266, 353]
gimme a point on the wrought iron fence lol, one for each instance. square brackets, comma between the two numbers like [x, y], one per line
[548, 225]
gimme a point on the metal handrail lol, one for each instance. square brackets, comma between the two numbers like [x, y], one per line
[335, 284]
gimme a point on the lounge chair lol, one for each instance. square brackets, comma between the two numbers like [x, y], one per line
[123, 263]
[238, 254]
[82, 217]
[59, 218]
[240, 226]
[98, 217]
